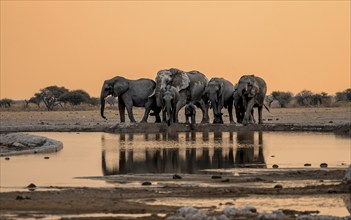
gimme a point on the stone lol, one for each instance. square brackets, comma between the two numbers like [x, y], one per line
[347, 177]
[32, 185]
[176, 176]
[146, 183]
[216, 177]
[275, 166]
[307, 164]
[278, 186]
[324, 165]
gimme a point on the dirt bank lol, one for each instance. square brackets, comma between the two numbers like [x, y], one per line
[293, 119]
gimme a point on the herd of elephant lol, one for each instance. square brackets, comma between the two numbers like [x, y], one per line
[174, 89]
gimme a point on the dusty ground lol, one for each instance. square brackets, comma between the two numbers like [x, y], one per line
[138, 200]
[319, 119]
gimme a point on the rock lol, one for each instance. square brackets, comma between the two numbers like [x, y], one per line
[307, 164]
[275, 166]
[216, 177]
[331, 122]
[225, 181]
[18, 145]
[324, 165]
[176, 176]
[20, 197]
[46, 158]
[7, 158]
[146, 183]
[278, 186]
[32, 185]
[347, 177]
[189, 212]
[272, 156]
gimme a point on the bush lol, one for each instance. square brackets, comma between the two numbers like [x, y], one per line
[6, 102]
[344, 95]
[283, 97]
[75, 97]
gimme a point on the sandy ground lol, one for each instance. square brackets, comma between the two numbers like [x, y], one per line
[325, 119]
[123, 200]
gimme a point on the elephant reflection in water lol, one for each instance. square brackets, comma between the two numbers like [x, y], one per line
[184, 160]
[245, 153]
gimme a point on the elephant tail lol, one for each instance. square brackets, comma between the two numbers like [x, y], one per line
[266, 108]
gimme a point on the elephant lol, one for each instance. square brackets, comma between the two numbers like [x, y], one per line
[170, 97]
[220, 93]
[239, 106]
[190, 85]
[250, 92]
[190, 112]
[130, 93]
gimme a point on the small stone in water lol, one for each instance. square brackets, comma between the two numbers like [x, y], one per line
[307, 164]
[216, 177]
[324, 165]
[32, 185]
[278, 186]
[7, 158]
[176, 176]
[225, 181]
[46, 158]
[146, 184]
[275, 166]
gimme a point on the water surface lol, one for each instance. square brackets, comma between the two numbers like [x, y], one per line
[102, 154]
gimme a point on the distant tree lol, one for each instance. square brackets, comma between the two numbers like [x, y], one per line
[6, 102]
[94, 101]
[75, 97]
[344, 95]
[304, 98]
[283, 97]
[50, 96]
[36, 99]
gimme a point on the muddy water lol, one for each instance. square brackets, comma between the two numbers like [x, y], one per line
[101, 154]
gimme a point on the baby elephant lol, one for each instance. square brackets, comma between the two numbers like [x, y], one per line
[190, 112]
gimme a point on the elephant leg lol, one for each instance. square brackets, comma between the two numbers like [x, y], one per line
[148, 106]
[164, 116]
[121, 108]
[179, 105]
[204, 110]
[230, 112]
[260, 121]
[187, 119]
[129, 105]
[248, 114]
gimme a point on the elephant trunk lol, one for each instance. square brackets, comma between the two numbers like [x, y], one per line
[158, 94]
[102, 100]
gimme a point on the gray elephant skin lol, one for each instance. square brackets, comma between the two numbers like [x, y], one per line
[170, 97]
[190, 112]
[250, 92]
[130, 93]
[220, 93]
[190, 86]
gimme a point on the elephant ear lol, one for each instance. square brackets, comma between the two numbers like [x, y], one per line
[120, 86]
[180, 79]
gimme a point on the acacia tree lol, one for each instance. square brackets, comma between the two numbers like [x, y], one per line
[6, 102]
[283, 97]
[75, 97]
[49, 96]
[344, 95]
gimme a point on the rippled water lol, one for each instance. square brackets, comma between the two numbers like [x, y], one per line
[101, 154]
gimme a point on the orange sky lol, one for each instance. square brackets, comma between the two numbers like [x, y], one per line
[293, 45]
